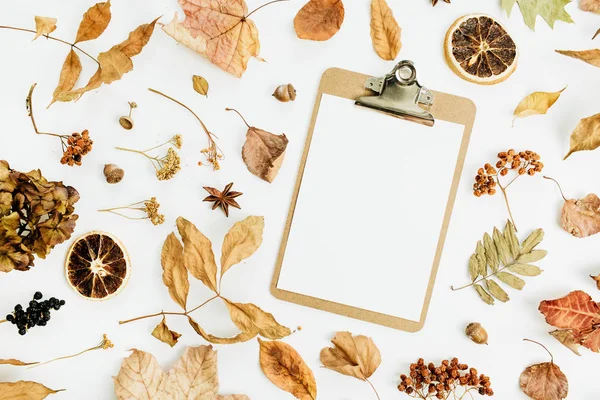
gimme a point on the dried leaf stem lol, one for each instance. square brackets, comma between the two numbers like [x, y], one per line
[163, 313]
[29, 103]
[213, 152]
[3, 321]
[264, 5]
[545, 348]
[104, 345]
[373, 387]
[238, 113]
[73, 45]
[557, 184]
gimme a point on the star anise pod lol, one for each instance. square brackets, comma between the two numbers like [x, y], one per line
[434, 2]
[223, 199]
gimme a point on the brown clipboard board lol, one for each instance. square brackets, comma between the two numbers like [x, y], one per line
[446, 107]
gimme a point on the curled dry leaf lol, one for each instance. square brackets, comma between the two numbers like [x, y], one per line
[69, 74]
[589, 56]
[44, 26]
[198, 256]
[287, 370]
[251, 319]
[25, 390]
[175, 275]
[94, 22]
[263, 151]
[355, 356]
[577, 312]
[200, 85]
[590, 5]
[239, 338]
[164, 334]
[544, 381]
[568, 339]
[581, 218]
[319, 19]
[385, 32]
[16, 363]
[586, 135]
[536, 103]
[242, 240]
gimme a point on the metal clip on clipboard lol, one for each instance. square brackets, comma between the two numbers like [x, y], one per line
[399, 94]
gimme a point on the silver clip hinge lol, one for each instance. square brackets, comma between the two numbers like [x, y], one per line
[399, 94]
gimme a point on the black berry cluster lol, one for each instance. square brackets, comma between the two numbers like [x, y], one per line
[38, 313]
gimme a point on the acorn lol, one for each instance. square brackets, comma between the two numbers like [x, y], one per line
[126, 121]
[113, 173]
[476, 333]
[285, 93]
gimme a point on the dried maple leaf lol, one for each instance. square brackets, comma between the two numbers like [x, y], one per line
[198, 256]
[194, 376]
[242, 240]
[263, 151]
[164, 334]
[536, 103]
[94, 22]
[175, 275]
[550, 10]
[355, 356]
[319, 19]
[385, 32]
[287, 370]
[544, 381]
[590, 5]
[586, 135]
[223, 199]
[589, 56]
[219, 30]
[25, 390]
[44, 26]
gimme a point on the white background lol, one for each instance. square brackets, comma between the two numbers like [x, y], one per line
[168, 67]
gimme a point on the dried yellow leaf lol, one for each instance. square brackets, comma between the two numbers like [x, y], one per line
[94, 22]
[164, 334]
[114, 64]
[16, 363]
[69, 74]
[239, 338]
[44, 26]
[242, 240]
[198, 256]
[525, 269]
[287, 370]
[536, 103]
[385, 32]
[24, 390]
[511, 280]
[589, 56]
[200, 85]
[355, 356]
[137, 39]
[175, 275]
[251, 319]
[586, 135]
[596, 34]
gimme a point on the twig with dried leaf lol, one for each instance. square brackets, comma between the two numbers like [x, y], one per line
[501, 252]
[196, 257]
[212, 153]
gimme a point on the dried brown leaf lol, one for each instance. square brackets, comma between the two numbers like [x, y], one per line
[44, 26]
[356, 356]
[536, 103]
[198, 256]
[194, 376]
[577, 311]
[175, 275]
[586, 135]
[596, 34]
[164, 334]
[590, 5]
[94, 22]
[200, 84]
[385, 32]
[239, 338]
[581, 218]
[263, 153]
[24, 390]
[69, 74]
[242, 240]
[16, 363]
[233, 397]
[597, 280]
[114, 64]
[319, 19]
[568, 338]
[589, 56]
[287, 370]
[544, 381]
[251, 319]
[137, 39]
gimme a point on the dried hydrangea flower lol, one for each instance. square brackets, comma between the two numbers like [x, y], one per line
[148, 207]
[166, 166]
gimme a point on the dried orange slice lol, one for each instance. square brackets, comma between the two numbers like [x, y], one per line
[479, 50]
[97, 266]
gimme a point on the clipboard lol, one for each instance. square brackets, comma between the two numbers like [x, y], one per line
[397, 94]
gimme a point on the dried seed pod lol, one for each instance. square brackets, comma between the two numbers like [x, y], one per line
[285, 93]
[477, 333]
[113, 173]
[126, 121]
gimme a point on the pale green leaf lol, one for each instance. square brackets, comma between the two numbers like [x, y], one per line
[502, 247]
[550, 10]
[532, 240]
[496, 290]
[491, 253]
[485, 296]
[511, 238]
[534, 255]
[511, 280]
[473, 267]
[525, 269]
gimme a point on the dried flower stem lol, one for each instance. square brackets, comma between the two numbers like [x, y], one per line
[104, 345]
[503, 190]
[557, 184]
[264, 5]
[373, 387]
[545, 348]
[150, 208]
[73, 45]
[29, 103]
[163, 313]
[158, 161]
[238, 113]
[3, 321]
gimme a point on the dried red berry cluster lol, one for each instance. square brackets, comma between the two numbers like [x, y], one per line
[430, 381]
[78, 145]
[525, 162]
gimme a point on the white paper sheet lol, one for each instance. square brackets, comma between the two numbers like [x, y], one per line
[370, 209]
